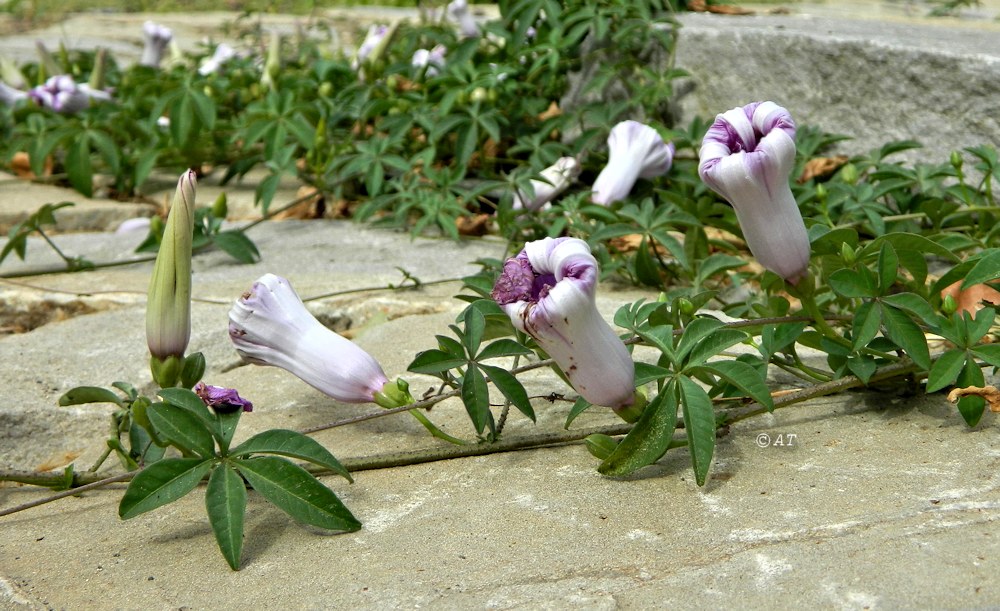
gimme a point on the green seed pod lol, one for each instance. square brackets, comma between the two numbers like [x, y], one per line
[849, 173]
[948, 305]
[847, 254]
[220, 209]
[956, 160]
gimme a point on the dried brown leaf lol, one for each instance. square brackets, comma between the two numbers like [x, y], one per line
[989, 393]
[822, 167]
[475, 225]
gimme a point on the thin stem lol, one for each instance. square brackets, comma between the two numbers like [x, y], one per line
[434, 430]
[40, 479]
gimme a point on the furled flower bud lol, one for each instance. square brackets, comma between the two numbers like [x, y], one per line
[222, 399]
[168, 308]
[459, 11]
[269, 325]
[635, 151]
[432, 60]
[746, 157]
[155, 40]
[222, 54]
[559, 176]
[548, 291]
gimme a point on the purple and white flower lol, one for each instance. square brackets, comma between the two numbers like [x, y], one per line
[373, 40]
[746, 157]
[222, 54]
[10, 96]
[156, 37]
[430, 59]
[459, 11]
[62, 94]
[559, 176]
[548, 291]
[635, 151]
[269, 325]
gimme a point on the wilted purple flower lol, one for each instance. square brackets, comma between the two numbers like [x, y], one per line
[269, 325]
[559, 176]
[222, 399]
[222, 54]
[635, 151]
[746, 157]
[459, 10]
[155, 40]
[432, 59]
[62, 94]
[375, 36]
[548, 291]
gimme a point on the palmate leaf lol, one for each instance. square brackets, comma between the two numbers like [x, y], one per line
[160, 483]
[296, 492]
[648, 440]
[294, 445]
[945, 370]
[743, 376]
[226, 503]
[905, 333]
[237, 245]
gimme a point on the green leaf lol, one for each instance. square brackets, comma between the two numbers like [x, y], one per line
[888, 267]
[914, 304]
[989, 353]
[985, 270]
[476, 397]
[945, 370]
[292, 444]
[160, 483]
[697, 330]
[237, 245]
[89, 394]
[905, 333]
[853, 284]
[908, 241]
[297, 492]
[189, 401]
[434, 361]
[648, 440]
[971, 407]
[867, 322]
[646, 269]
[226, 503]
[863, 366]
[713, 345]
[662, 338]
[475, 325]
[646, 373]
[699, 424]
[511, 388]
[79, 167]
[743, 376]
[581, 405]
[502, 347]
[181, 428]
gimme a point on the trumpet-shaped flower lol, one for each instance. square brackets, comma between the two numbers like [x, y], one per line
[430, 59]
[559, 176]
[62, 94]
[548, 291]
[222, 54]
[635, 151]
[746, 157]
[156, 37]
[371, 45]
[10, 96]
[459, 11]
[269, 325]
[168, 307]
[221, 399]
